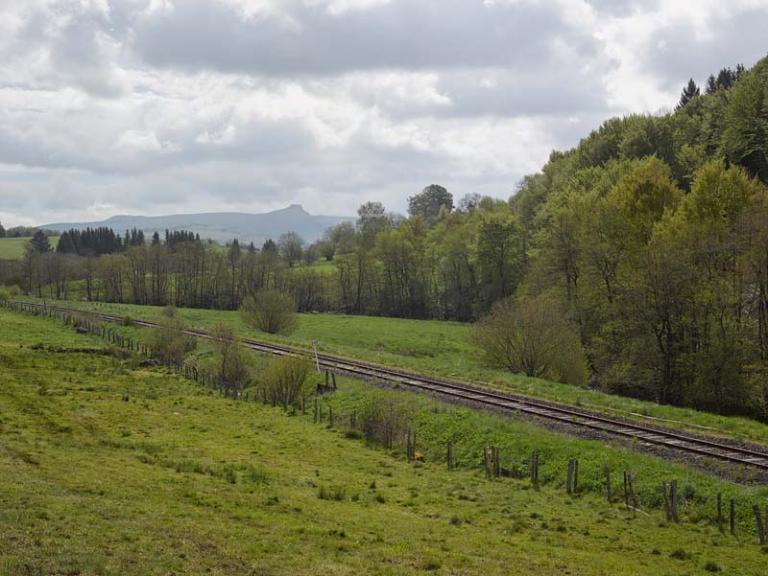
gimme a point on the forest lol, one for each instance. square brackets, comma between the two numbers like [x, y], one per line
[648, 241]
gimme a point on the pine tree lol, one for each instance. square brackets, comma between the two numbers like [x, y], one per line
[40, 243]
[2, 231]
[689, 93]
[66, 245]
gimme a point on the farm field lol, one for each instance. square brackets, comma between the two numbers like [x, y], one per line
[109, 467]
[13, 248]
[445, 349]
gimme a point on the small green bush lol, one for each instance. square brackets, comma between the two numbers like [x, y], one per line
[270, 311]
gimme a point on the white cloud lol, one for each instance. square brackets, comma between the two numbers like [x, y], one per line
[168, 105]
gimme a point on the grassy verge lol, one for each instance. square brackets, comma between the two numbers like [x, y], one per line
[444, 349]
[109, 468]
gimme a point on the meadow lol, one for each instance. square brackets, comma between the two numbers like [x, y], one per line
[445, 349]
[13, 248]
[109, 466]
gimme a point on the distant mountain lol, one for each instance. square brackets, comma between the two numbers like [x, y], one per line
[223, 226]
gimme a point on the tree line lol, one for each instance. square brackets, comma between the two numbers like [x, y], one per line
[646, 245]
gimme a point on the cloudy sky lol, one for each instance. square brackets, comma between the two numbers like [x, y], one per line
[168, 106]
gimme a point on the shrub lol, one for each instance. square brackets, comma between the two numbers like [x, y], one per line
[168, 342]
[286, 381]
[532, 335]
[385, 417]
[231, 367]
[270, 311]
[5, 295]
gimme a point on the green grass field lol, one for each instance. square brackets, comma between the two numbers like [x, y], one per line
[13, 248]
[444, 348]
[107, 467]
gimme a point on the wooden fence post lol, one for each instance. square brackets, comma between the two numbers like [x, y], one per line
[674, 501]
[720, 511]
[667, 506]
[535, 468]
[759, 524]
[449, 455]
[732, 516]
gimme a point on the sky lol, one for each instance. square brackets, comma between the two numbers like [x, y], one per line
[173, 106]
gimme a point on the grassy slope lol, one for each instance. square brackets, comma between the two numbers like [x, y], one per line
[106, 469]
[443, 348]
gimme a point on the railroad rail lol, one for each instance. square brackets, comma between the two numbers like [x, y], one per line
[469, 394]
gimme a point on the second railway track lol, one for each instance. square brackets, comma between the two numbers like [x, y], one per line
[466, 393]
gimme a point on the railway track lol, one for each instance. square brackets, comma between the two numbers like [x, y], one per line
[468, 394]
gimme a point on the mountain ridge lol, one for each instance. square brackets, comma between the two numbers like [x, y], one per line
[247, 227]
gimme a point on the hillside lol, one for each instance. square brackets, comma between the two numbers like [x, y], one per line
[107, 467]
[441, 349]
[221, 227]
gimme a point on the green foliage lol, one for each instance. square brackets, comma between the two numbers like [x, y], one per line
[285, 382]
[39, 243]
[745, 138]
[269, 311]
[168, 342]
[430, 203]
[532, 335]
[231, 367]
[385, 418]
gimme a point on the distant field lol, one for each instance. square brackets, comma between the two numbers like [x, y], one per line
[109, 468]
[13, 248]
[444, 348]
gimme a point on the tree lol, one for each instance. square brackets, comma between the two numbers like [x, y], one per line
[372, 219]
[429, 203]
[2, 231]
[745, 137]
[291, 247]
[469, 202]
[500, 256]
[39, 243]
[66, 244]
[342, 238]
[532, 336]
[269, 311]
[690, 91]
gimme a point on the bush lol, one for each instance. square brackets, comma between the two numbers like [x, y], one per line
[168, 342]
[532, 335]
[270, 311]
[232, 364]
[286, 381]
[385, 417]
[5, 295]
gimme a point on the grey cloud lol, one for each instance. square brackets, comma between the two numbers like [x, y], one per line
[200, 108]
[400, 34]
[676, 54]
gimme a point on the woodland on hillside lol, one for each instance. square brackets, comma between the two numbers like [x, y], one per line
[651, 236]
